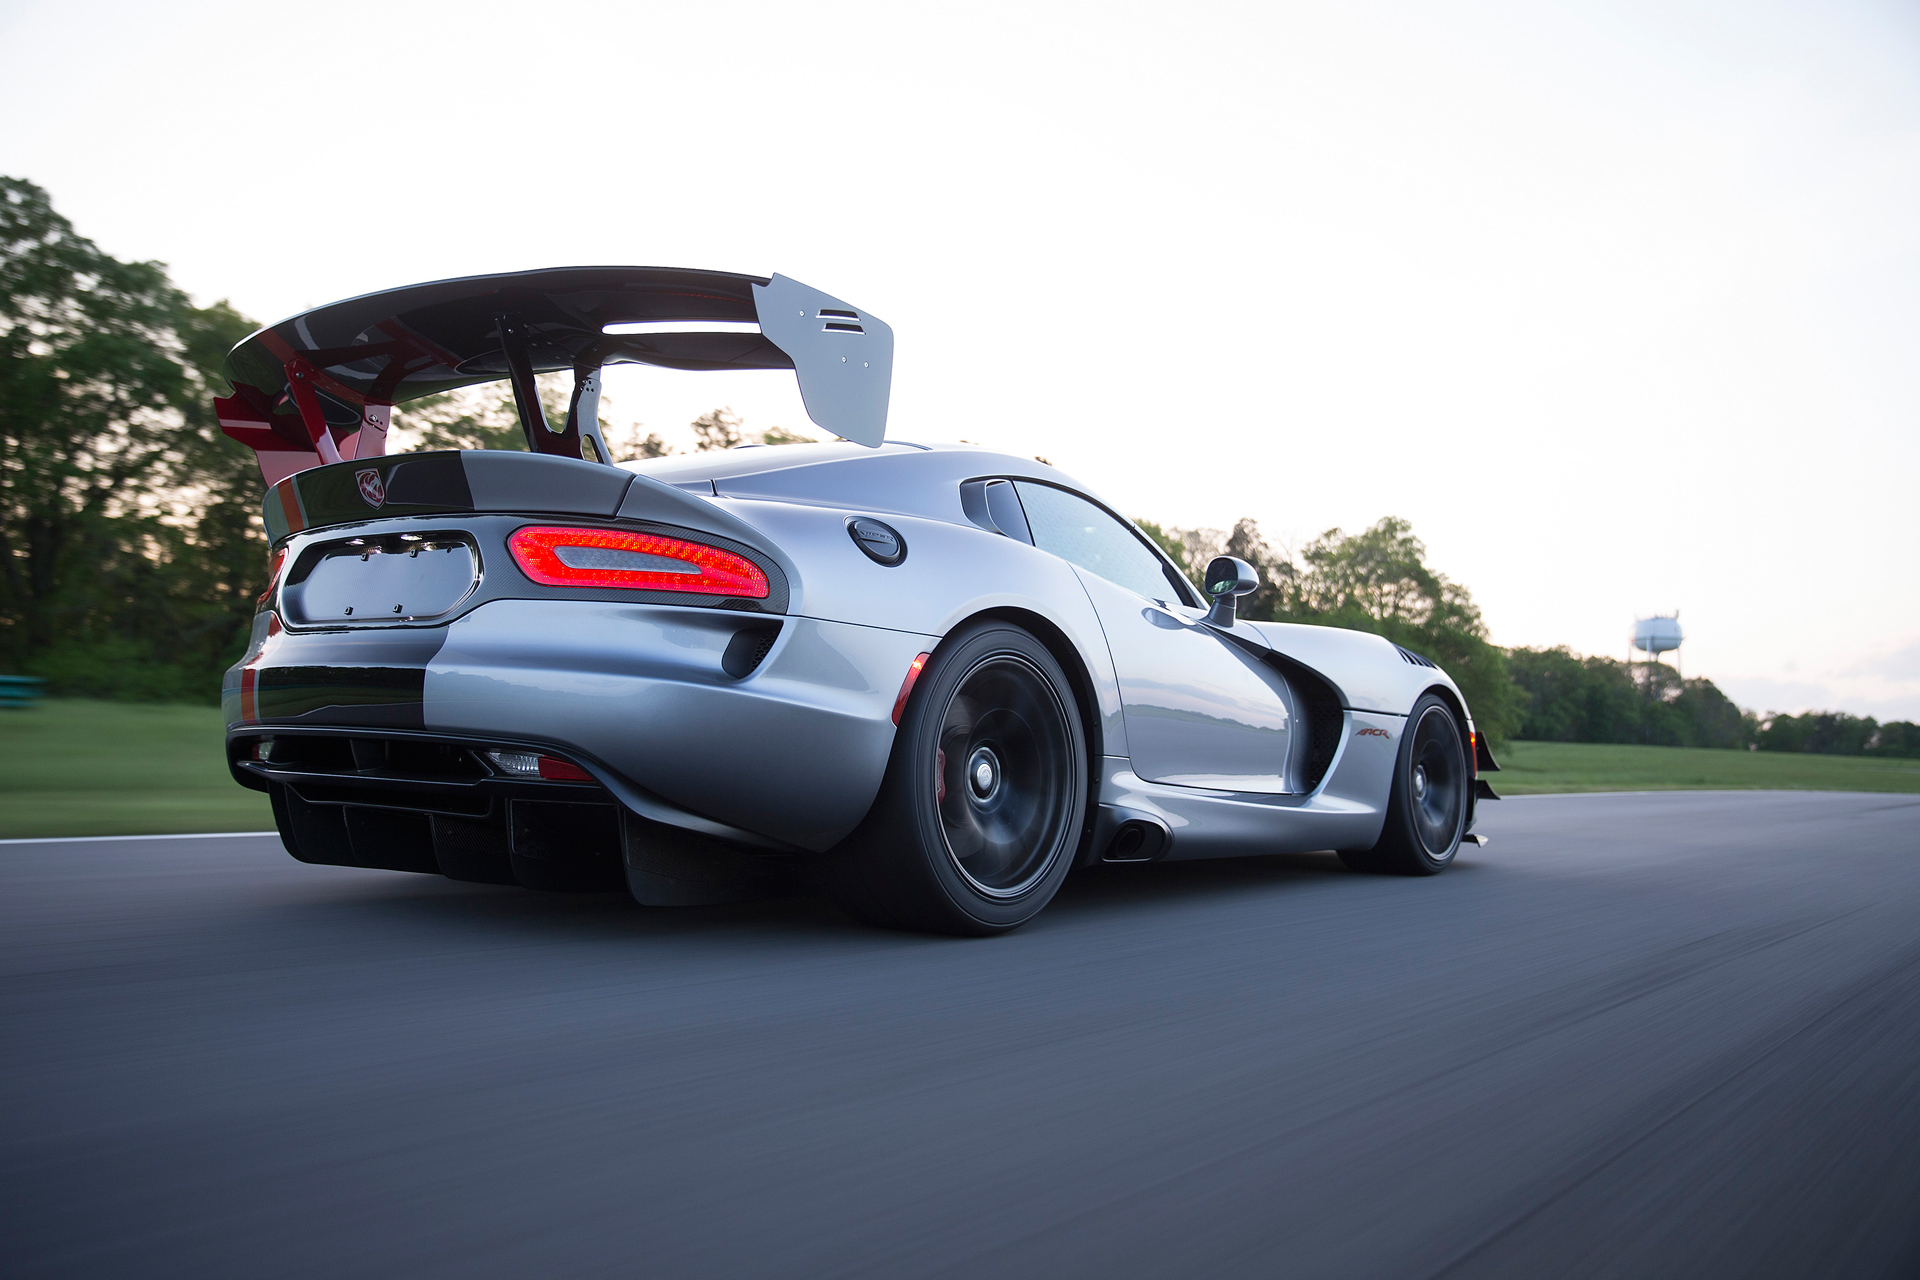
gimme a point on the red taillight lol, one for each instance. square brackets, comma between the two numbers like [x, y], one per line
[555, 769]
[559, 557]
[906, 686]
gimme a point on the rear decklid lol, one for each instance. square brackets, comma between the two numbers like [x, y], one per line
[452, 513]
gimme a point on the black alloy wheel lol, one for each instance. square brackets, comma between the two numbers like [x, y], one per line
[981, 812]
[1003, 775]
[1427, 810]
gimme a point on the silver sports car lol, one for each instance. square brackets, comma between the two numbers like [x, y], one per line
[931, 680]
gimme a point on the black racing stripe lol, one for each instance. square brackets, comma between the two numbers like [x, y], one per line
[390, 696]
[372, 678]
[408, 485]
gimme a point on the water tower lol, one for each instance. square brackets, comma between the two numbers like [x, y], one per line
[1655, 636]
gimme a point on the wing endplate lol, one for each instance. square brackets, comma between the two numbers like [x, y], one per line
[842, 356]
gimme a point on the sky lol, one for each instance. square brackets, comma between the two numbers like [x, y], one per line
[1618, 304]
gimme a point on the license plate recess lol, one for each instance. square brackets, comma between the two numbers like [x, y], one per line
[398, 578]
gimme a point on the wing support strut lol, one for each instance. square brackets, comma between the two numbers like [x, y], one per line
[580, 437]
[300, 387]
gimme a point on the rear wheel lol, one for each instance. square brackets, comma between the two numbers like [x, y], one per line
[985, 794]
[1427, 810]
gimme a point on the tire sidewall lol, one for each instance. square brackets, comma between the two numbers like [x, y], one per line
[1406, 828]
[913, 768]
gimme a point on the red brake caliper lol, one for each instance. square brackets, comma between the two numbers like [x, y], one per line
[940, 776]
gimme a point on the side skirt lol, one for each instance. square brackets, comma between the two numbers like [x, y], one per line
[1346, 811]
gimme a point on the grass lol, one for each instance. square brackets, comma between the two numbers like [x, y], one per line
[75, 767]
[1533, 768]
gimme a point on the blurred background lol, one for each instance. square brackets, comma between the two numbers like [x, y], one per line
[1559, 316]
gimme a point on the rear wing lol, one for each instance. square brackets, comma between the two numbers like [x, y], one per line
[320, 387]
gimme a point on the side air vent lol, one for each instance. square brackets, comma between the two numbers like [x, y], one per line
[838, 321]
[1325, 722]
[748, 649]
[1322, 714]
[1408, 655]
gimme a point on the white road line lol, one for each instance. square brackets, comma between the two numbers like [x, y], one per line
[191, 835]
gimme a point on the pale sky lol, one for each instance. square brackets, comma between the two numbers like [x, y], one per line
[1618, 303]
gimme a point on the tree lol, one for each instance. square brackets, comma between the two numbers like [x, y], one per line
[648, 446]
[224, 566]
[123, 519]
[480, 417]
[1827, 733]
[1896, 738]
[722, 428]
[717, 429]
[1568, 698]
[1168, 542]
[86, 391]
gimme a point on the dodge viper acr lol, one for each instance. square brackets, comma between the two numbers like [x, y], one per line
[931, 680]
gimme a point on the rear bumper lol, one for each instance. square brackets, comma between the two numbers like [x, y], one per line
[666, 706]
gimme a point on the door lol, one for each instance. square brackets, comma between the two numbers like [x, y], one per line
[1200, 711]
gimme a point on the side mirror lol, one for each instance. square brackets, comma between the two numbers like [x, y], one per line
[1227, 578]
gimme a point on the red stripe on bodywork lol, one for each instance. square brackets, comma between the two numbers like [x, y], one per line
[290, 506]
[249, 671]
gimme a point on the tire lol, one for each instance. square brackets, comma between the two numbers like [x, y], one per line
[1428, 807]
[980, 814]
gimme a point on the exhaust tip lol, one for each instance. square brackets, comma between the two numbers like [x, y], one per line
[1136, 842]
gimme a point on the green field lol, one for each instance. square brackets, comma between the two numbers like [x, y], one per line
[81, 768]
[71, 767]
[1533, 768]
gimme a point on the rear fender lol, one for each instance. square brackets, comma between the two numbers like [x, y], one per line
[951, 574]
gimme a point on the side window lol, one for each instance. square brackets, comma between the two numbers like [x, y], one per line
[1076, 530]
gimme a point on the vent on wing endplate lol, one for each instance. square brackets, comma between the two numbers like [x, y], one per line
[839, 321]
[1417, 660]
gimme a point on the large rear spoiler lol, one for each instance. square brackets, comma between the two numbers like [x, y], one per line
[319, 387]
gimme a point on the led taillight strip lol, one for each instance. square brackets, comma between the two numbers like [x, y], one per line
[543, 552]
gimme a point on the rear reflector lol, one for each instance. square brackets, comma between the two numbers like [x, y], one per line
[906, 686]
[562, 557]
[528, 764]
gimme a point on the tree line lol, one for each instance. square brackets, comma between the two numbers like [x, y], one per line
[131, 549]
[1379, 581]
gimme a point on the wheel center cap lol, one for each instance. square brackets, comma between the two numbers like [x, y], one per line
[983, 773]
[1419, 782]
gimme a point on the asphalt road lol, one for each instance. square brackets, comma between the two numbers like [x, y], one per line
[1636, 1035]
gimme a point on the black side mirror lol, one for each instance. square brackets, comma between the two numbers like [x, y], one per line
[1227, 578]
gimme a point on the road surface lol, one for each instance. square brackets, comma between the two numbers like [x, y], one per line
[1636, 1035]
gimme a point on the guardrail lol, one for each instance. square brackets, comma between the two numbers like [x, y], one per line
[20, 691]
